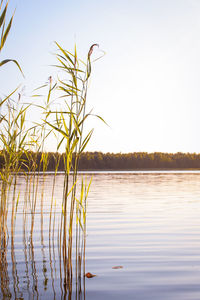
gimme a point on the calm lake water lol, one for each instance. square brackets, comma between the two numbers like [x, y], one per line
[146, 222]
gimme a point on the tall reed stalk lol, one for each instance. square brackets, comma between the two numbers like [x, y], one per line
[71, 120]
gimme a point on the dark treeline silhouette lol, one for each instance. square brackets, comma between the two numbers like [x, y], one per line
[139, 160]
[120, 161]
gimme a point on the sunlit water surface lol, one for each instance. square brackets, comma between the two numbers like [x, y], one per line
[146, 222]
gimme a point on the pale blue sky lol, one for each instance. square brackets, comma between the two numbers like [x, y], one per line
[146, 87]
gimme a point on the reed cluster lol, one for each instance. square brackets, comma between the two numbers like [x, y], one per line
[20, 144]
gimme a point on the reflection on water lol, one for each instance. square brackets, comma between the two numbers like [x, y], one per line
[147, 222]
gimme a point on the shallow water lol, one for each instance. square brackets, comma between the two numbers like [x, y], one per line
[146, 222]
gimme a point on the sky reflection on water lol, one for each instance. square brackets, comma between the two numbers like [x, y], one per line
[146, 222]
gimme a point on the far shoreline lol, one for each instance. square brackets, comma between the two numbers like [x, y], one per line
[98, 161]
[119, 171]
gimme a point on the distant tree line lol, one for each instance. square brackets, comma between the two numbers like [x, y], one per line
[120, 161]
[139, 160]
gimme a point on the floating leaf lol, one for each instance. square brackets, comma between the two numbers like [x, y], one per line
[89, 275]
[117, 267]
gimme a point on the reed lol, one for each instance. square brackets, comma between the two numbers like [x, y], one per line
[4, 31]
[69, 124]
[5, 28]
[21, 147]
[13, 140]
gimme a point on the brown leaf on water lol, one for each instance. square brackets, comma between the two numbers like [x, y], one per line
[89, 275]
[117, 267]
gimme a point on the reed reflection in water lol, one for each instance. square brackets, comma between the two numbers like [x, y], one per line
[148, 223]
[31, 265]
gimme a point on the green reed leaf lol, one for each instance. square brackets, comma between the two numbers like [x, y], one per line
[60, 143]
[65, 53]
[86, 140]
[5, 35]
[5, 61]
[57, 129]
[3, 15]
[100, 118]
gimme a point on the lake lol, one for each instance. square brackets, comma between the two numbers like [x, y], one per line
[144, 224]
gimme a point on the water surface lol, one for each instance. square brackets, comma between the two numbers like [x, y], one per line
[146, 222]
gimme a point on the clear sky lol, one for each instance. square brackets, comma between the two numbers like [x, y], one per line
[146, 86]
